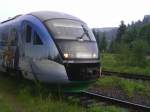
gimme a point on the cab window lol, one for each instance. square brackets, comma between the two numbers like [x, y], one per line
[28, 33]
[37, 40]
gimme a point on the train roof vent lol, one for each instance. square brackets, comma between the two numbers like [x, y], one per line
[11, 18]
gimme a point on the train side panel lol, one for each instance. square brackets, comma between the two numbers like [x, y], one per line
[40, 56]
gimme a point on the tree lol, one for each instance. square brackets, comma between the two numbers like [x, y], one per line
[139, 52]
[132, 43]
[130, 35]
[120, 32]
[112, 46]
[135, 55]
[94, 32]
[103, 43]
[146, 19]
[97, 37]
[145, 33]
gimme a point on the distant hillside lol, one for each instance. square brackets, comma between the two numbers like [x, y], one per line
[110, 32]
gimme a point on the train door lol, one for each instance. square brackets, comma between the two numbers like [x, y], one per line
[33, 48]
[27, 40]
[38, 47]
[25, 53]
[33, 45]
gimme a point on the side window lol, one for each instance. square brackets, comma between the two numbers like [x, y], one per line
[28, 33]
[37, 40]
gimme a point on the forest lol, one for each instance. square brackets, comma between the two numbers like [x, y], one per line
[131, 44]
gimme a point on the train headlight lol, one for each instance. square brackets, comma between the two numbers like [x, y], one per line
[83, 55]
[66, 55]
[94, 55]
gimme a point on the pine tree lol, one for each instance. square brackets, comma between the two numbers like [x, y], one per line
[103, 43]
[121, 30]
[111, 46]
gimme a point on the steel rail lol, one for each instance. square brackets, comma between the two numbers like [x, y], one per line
[127, 75]
[126, 104]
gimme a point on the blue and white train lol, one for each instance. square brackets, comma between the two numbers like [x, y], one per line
[50, 47]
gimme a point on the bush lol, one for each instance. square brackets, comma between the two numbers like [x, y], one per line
[124, 53]
[139, 51]
[133, 55]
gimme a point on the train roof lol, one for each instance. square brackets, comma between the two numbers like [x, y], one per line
[11, 19]
[47, 15]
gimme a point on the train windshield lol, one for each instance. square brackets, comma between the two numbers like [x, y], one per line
[69, 30]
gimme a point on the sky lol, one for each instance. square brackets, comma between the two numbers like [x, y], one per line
[96, 13]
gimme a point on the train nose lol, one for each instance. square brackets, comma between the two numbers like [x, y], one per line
[97, 71]
[49, 71]
[83, 72]
[92, 73]
[89, 71]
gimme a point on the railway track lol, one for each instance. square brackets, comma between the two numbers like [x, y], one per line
[127, 75]
[89, 96]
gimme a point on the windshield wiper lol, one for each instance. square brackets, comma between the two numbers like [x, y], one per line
[85, 32]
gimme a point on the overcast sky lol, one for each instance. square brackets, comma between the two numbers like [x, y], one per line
[96, 13]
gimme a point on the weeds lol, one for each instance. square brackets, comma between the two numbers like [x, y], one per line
[107, 109]
[130, 87]
[28, 97]
[109, 62]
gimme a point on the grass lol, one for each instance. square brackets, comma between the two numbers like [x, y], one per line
[48, 105]
[130, 87]
[110, 63]
[107, 109]
[4, 106]
[21, 96]
[39, 103]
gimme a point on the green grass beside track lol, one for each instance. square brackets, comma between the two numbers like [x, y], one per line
[129, 87]
[110, 63]
[20, 96]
